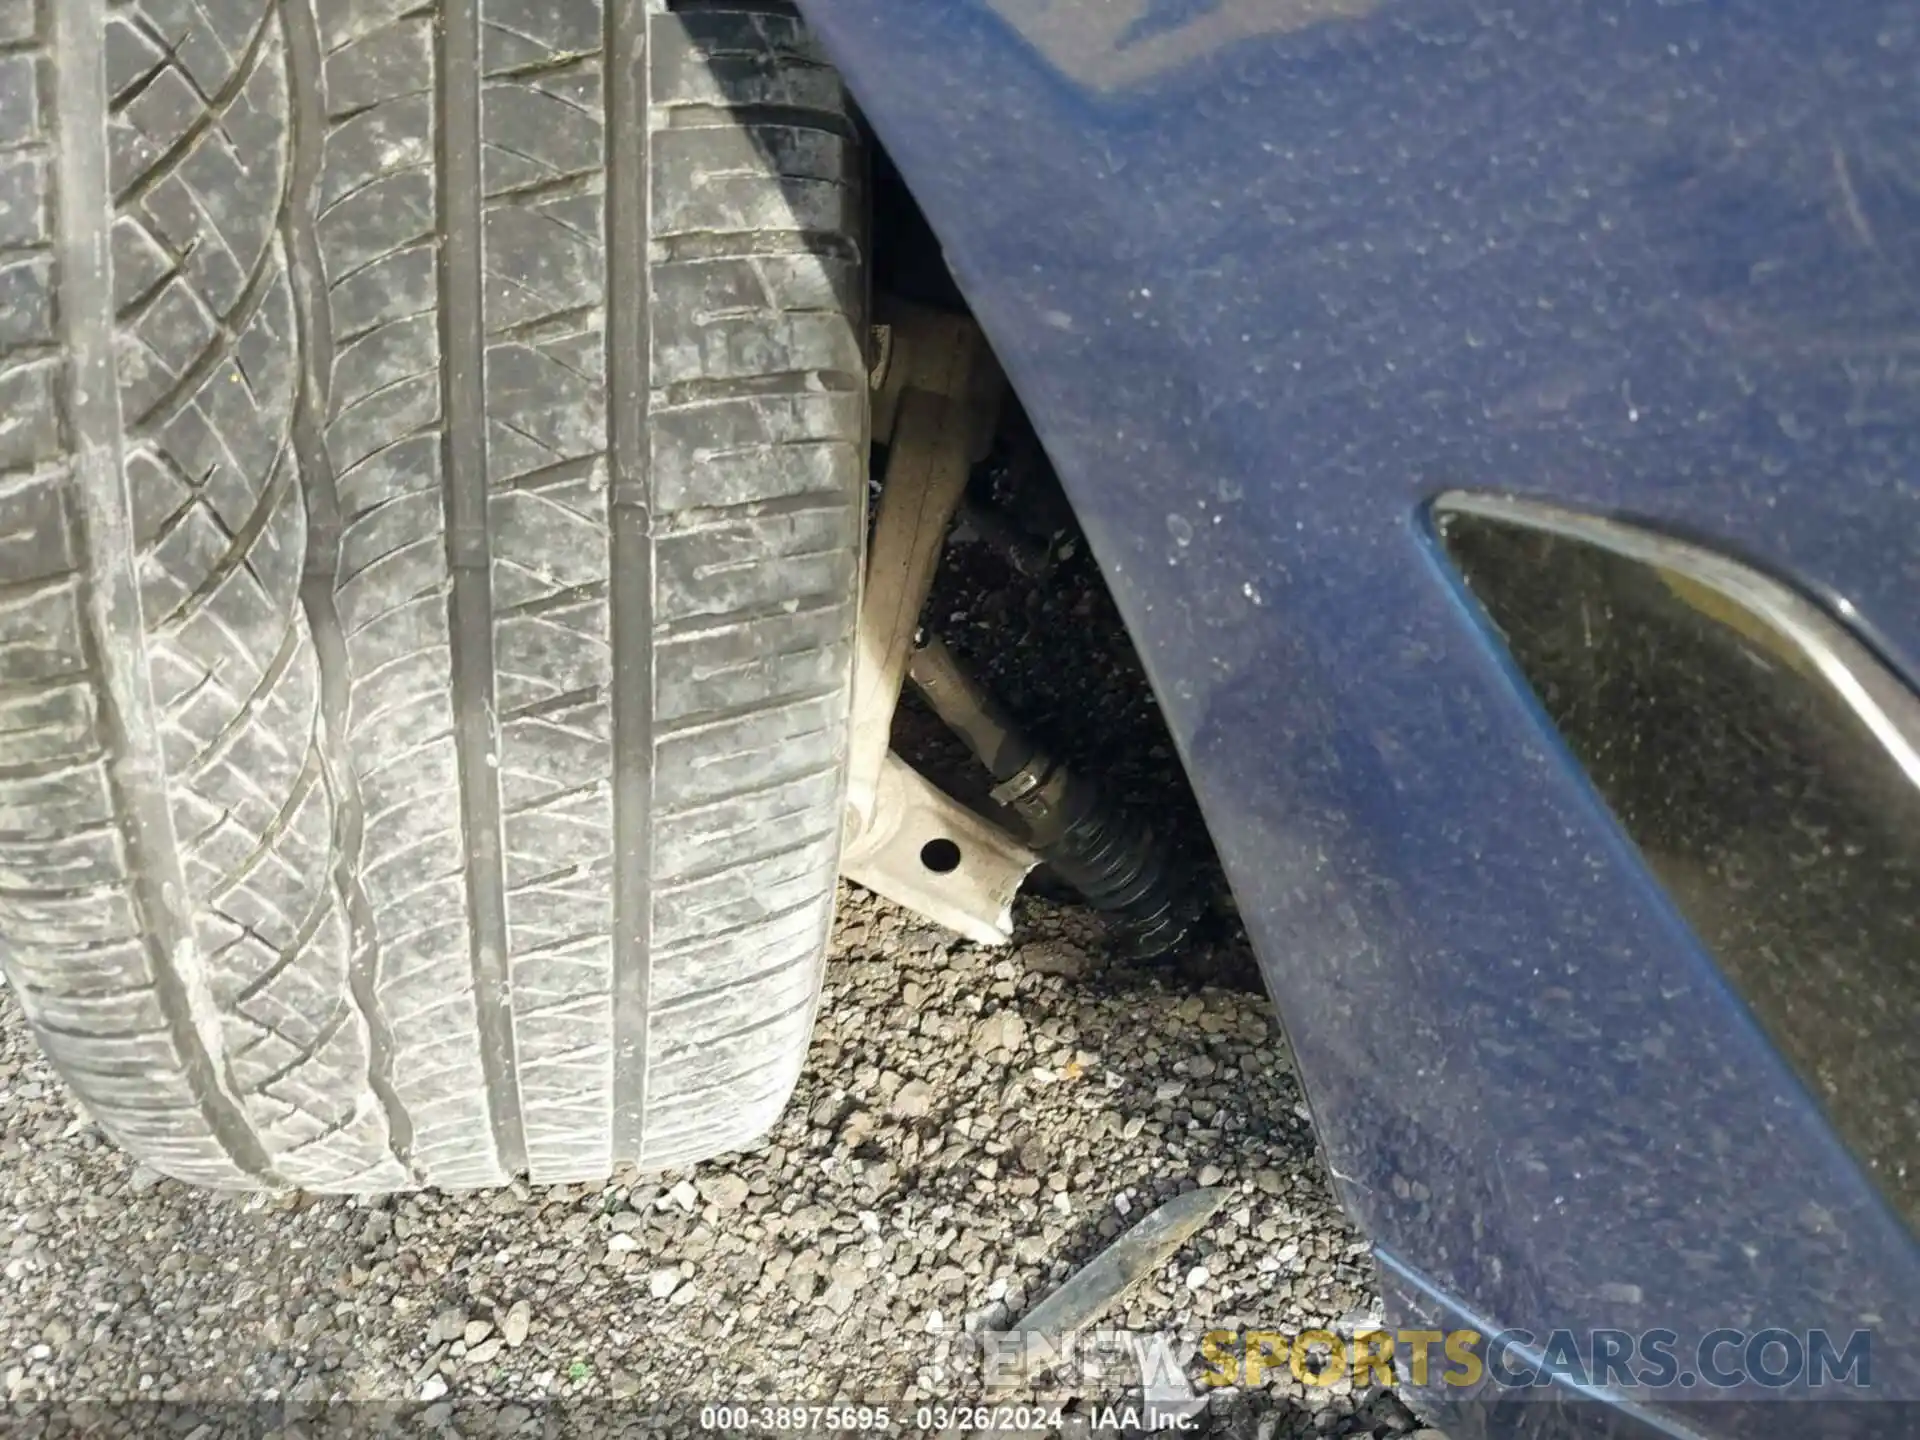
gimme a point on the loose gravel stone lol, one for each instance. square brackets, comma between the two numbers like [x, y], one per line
[1000, 1034]
[912, 1101]
[514, 1328]
[447, 1325]
[663, 1283]
[725, 1192]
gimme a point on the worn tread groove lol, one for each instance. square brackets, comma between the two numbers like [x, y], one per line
[560, 472]
[709, 1042]
[463, 358]
[727, 932]
[107, 992]
[129, 315]
[24, 594]
[696, 520]
[350, 337]
[727, 715]
[753, 244]
[629, 456]
[564, 943]
[319, 580]
[43, 893]
[732, 982]
[67, 1032]
[679, 1098]
[379, 453]
[346, 273]
[552, 705]
[692, 879]
[708, 623]
[781, 384]
[58, 767]
[570, 598]
[540, 882]
[735, 567]
[548, 798]
[702, 116]
[744, 792]
[540, 69]
[583, 182]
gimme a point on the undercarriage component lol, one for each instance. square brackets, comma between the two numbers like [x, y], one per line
[1028, 556]
[936, 402]
[1107, 853]
[926, 851]
[937, 395]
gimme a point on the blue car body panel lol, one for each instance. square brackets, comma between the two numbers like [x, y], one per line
[1269, 275]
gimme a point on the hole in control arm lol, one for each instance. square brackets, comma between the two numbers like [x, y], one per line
[941, 856]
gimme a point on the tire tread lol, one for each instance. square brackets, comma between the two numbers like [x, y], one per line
[434, 474]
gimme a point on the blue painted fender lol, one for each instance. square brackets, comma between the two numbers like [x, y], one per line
[1270, 274]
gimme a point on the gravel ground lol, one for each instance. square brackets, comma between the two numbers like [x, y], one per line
[972, 1126]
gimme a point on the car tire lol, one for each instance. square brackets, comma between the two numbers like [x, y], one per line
[432, 450]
